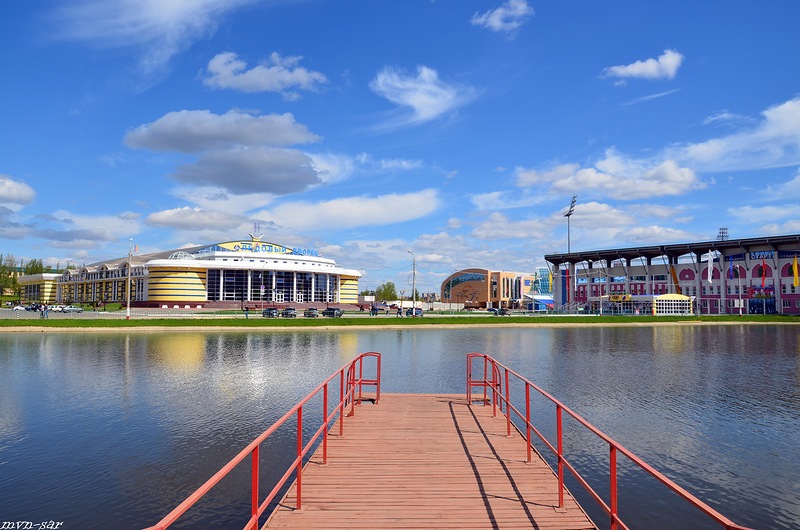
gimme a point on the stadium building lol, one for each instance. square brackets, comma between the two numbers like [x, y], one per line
[727, 276]
[230, 274]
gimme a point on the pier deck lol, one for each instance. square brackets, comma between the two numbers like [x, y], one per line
[427, 461]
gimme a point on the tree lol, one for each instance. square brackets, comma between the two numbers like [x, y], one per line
[34, 266]
[366, 292]
[386, 291]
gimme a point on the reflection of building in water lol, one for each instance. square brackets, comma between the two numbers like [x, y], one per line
[235, 272]
[758, 275]
[179, 352]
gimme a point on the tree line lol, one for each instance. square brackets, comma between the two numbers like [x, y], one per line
[388, 291]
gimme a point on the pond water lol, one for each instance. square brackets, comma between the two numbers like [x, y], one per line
[113, 430]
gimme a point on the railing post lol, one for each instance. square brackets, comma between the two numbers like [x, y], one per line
[360, 379]
[341, 403]
[325, 428]
[299, 478]
[528, 419]
[560, 438]
[508, 408]
[485, 382]
[612, 469]
[494, 389]
[254, 486]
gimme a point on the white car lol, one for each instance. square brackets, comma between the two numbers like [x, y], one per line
[18, 308]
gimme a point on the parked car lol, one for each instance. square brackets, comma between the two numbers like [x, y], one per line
[311, 312]
[270, 312]
[414, 312]
[18, 308]
[289, 312]
[71, 309]
[333, 312]
[502, 312]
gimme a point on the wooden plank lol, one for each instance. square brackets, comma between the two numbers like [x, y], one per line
[427, 461]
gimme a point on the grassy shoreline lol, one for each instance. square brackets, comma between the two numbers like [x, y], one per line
[178, 323]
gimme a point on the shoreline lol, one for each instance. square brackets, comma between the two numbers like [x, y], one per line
[250, 329]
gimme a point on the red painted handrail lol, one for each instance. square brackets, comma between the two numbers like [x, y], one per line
[351, 383]
[493, 383]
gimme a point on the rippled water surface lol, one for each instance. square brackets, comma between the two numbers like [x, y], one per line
[113, 430]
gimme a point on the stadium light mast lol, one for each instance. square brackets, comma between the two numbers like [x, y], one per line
[568, 215]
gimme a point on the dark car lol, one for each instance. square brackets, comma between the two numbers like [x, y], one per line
[333, 312]
[289, 312]
[414, 312]
[311, 312]
[270, 312]
[503, 312]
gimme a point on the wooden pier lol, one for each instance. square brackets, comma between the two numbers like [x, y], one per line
[427, 461]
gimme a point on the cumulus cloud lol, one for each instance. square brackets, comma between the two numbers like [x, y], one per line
[506, 18]
[219, 199]
[774, 142]
[764, 213]
[275, 74]
[252, 170]
[192, 131]
[785, 190]
[351, 212]
[427, 96]
[161, 28]
[187, 218]
[665, 67]
[615, 176]
[14, 193]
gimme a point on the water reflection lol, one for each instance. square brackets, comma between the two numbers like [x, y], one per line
[112, 430]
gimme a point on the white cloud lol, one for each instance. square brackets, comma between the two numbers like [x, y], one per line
[665, 67]
[650, 97]
[351, 212]
[397, 164]
[426, 95]
[786, 190]
[498, 226]
[191, 131]
[774, 142]
[615, 176]
[86, 231]
[764, 213]
[162, 28]
[252, 170]
[219, 199]
[330, 167]
[276, 74]
[506, 18]
[14, 193]
[186, 218]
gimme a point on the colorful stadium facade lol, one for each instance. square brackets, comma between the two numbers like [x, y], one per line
[484, 288]
[235, 272]
[755, 275]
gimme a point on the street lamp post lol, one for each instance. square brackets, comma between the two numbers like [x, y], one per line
[413, 284]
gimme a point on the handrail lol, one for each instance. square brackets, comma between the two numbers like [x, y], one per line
[351, 383]
[495, 382]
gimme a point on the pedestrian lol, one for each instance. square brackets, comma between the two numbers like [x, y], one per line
[246, 312]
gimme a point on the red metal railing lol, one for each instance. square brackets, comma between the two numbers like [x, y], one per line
[496, 389]
[351, 384]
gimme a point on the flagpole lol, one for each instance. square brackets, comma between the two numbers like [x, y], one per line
[128, 287]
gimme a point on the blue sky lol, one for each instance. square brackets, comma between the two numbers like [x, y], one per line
[457, 129]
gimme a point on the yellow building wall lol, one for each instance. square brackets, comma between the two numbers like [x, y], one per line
[176, 285]
[348, 290]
